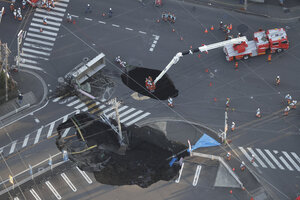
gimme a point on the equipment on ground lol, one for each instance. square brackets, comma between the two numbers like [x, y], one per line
[270, 41]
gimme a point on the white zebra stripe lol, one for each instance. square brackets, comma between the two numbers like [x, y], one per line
[48, 17]
[247, 156]
[39, 20]
[119, 110]
[131, 116]
[126, 112]
[291, 160]
[257, 158]
[49, 12]
[73, 103]
[37, 46]
[60, 4]
[39, 41]
[34, 51]
[265, 158]
[32, 56]
[29, 61]
[138, 119]
[296, 156]
[274, 159]
[59, 9]
[285, 163]
[41, 36]
[31, 67]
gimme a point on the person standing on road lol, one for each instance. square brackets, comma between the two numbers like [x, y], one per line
[20, 98]
[45, 21]
[243, 166]
[69, 18]
[227, 102]
[15, 13]
[170, 102]
[232, 126]
[110, 12]
[252, 158]
[23, 4]
[88, 8]
[277, 81]
[228, 156]
[286, 111]
[288, 98]
[258, 113]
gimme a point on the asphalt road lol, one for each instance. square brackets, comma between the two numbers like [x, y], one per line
[131, 32]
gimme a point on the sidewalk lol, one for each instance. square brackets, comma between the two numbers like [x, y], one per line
[33, 89]
[290, 11]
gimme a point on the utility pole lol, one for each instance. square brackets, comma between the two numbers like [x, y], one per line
[20, 37]
[245, 4]
[7, 52]
[224, 133]
[116, 105]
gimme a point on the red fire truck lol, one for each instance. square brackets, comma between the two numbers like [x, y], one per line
[273, 40]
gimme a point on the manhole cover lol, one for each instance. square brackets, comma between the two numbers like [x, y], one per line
[242, 28]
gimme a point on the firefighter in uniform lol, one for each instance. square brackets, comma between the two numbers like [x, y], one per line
[277, 81]
[173, 18]
[170, 102]
[15, 13]
[149, 84]
[19, 14]
[69, 18]
[286, 111]
[288, 98]
[23, 4]
[232, 126]
[258, 113]
[293, 104]
[164, 16]
[228, 156]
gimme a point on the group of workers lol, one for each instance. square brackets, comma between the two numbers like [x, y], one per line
[48, 4]
[227, 28]
[168, 17]
[17, 12]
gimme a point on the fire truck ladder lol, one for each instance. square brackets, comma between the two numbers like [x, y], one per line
[201, 49]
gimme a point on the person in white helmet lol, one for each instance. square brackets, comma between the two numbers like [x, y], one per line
[258, 113]
[110, 12]
[277, 81]
[243, 166]
[88, 8]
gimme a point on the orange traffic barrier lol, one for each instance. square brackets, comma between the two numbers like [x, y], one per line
[269, 57]
[212, 28]
[206, 31]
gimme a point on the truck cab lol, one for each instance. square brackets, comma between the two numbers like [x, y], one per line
[278, 40]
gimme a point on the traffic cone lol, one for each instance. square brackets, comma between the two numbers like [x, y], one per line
[230, 27]
[236, 65]
[251, 198]
[230, 191]
[269, 57]
[173, 30]
[212, 28]
[199, 55]
[233, 169]
[215, 99]
[74, 22]
[210, 84]
[157, 20]
[206, 31]
[206, 70]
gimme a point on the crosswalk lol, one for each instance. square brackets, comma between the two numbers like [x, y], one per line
[274, 159]
[39, 39]
[35, 137]
[128, 116]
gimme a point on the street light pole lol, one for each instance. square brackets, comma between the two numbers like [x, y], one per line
[20, 37]
[224, 135]
[245, 4]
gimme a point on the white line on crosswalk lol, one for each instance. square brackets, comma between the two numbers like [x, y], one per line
[89, 19]
[44, 26]
[34, 194]
[115, 25]
[64, 1]
[65, 118]
[274, 159]
[137, 119]
[85, 176]
[70, 184]
[39, 41]
[247, 156]
[60, 4]
[37, 46]
[39, 20]
[180, 172]
[16, 198]
[25, 140]
[40, 10]
[29, 61]
[53, 190]
[32, 56]
[265, 158]
[56, 99]
[119, 110]
[285, 163]
[131, 116]
[142, 32]
[35, 51]
[296, 156]
[257, 157]
[102, 22]
[66, 131]
[196, 176]
[80, 105]
[48, 17]
[291, 160]
[41, 36]
[43, 32]
[30, 67]
[73, 103]
[13, 146]
[38, 134]
[85, 109]
[50, 131]
[59, 9]
[126, 112]
[108, 109]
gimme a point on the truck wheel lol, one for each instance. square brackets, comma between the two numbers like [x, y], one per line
[279, 50]
[246, 57]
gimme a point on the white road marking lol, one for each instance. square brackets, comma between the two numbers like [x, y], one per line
[34, 194]
[138, 118]
[16, 198]
[131, 116]
[85, 176]
[274, 159]
[296, 156]
[25, 140]
[50, 131]
[41, 36]
[56, 99]
[44, 26]
[40, 10]
[38, 134]
[120, 109]
[89, 19]
[142, 32]
[285, 163]
[13, 146]
[291, 160]
[80, 105]
[196, 177]
[59, 9]
[35, 51]
[151, 49]
[102, 22]
[60, 4]
[64, 1]
[65, 118]
[247, 156]
[36, 120]
[39, 20]
[32, 56]
[75, 16]
[265, 158]
[115, 25]
[66, 131]
[31, 67]
[44, 32]
[37, 46]
[180, 172]
[64, 176]
[129, 29]
[257, 158]
[39, 41]
[126, 112]
[73, 103]
[48, 17]
[107, 110]
[53, 190]
[29, 61]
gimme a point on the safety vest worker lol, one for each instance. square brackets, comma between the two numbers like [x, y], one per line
[170, 102]
[258, 113]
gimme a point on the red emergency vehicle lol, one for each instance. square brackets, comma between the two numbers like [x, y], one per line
[34, 3]
[273, 40]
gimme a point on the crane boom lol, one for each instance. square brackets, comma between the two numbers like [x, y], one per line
[205, 48]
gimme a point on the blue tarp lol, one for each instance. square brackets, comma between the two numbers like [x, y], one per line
[172, 161]
[205, 141]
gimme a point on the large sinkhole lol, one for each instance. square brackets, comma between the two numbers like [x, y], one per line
[135, 80]
[95, 148]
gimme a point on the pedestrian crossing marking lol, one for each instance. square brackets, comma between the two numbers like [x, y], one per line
[44, 32]
[37, 46]
[131, 116]
[39, 41]
[285, 163]
[73, 102]
[60, 4]
[266, 158]
[48, 17]
[257, 158]
[119, 110]
[13, 146]
[248, 156]
[97, 109]
[291, 160]
[40, 10]
[138, 118]
[39, 20]
[38, 134]
[80, 105]
[30, 67]
[296, 156]
[126, 112]
[41, 36]
[274, 159]
[25, 140]
[44, 26]
[32, 56]
[59, 9]
[29, 61]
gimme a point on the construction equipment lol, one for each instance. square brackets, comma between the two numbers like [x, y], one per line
[272, 40]
[203, 48]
